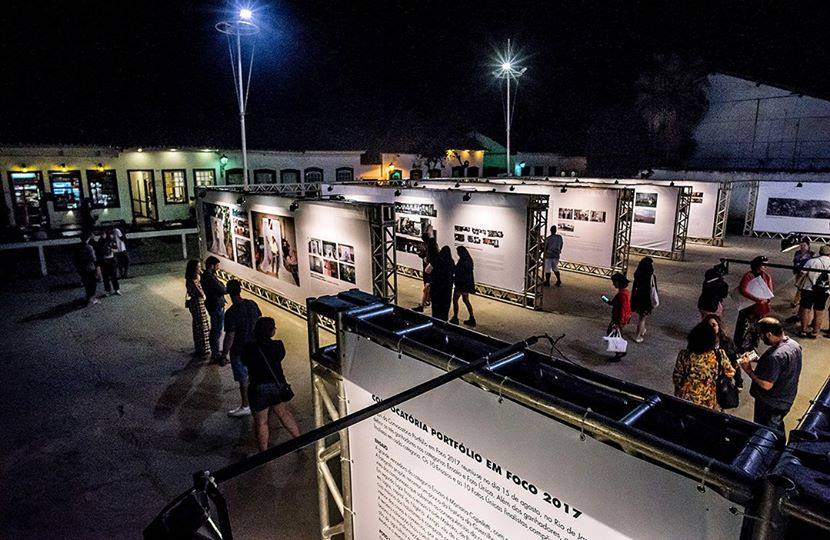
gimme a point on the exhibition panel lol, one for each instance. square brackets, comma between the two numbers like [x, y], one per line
[781, 208]
[289, 249]
[498, 229]
[539, 449]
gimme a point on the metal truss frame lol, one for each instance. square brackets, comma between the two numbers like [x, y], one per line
[622, 241]
[496, 293]
[537, 225]
[721, 218]
[681, 230]
[331, 454]
[384, 256]
[749, 221]
[309, 189]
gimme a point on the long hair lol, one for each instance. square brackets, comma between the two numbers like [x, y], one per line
[192, 270]
[264, 328]
[723, 335]
[432, 250]
[464, 258]
[702, 338]
[445, 256]
[644, 271]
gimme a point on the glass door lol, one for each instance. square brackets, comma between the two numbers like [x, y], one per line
[143, 195]
[29, 201]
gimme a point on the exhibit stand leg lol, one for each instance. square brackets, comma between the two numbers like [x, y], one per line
[537, 224]
[681, 225]
[384, 258]
[749, 216]
[719, 219]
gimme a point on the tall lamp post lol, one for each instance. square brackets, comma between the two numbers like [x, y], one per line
[235, 30]
[509, 70]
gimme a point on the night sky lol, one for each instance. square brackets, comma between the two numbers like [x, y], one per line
[353, 74]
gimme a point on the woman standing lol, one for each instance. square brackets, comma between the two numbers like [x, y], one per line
[644, 295]
[429, 254]
[195, 302]
[620, 308]
[696, 369]
[800, 258]
[713, 293]
[465, 285]
[725, 344]
[441, 278]
[268, 391]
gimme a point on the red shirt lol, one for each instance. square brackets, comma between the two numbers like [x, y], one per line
[761, 307]
[621, 307]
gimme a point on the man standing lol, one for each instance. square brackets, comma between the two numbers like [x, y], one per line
[553, 248]
[239, 331]
[87, 269]
[815, 289]
[105, 252]
[122, 258]
[214, 303]
[775, 378]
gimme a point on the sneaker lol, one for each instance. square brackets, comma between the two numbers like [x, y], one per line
[454, 320]
[638, 340]
[117, 293]
[239, 412]
[92, 302]
[470, 322]
[558, 283]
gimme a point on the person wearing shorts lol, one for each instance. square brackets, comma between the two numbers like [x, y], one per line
[239, 332]
[814, 294]
[553, 248]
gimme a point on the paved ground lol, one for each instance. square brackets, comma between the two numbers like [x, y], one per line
[105, 417]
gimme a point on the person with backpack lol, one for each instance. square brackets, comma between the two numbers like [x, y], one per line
[815, 290]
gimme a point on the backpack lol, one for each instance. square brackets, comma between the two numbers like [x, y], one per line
[822, 283]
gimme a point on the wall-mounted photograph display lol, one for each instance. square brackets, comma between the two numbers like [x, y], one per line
[275, 247]
[647, 199]
[566, 213]
[332, 260]
[564, 226]
[241, 227]
[597, 216]
[413, 227]
[697, 197]
[459, 237]
[645, 215]
[103, 188]
[217, 220]
[477, 236]
[798, 208]
[416, 209]
[243, 251]
[413, 220]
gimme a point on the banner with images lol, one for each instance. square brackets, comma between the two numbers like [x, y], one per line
[318, 248]
[784, 207]
[654, 217]
[414, 217]
[460, 458]
[218, 232]
[275, 247]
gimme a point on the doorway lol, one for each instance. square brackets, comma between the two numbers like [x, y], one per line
[143, 195]
[29, 200]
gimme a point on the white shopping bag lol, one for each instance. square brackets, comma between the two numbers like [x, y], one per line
[615, 343]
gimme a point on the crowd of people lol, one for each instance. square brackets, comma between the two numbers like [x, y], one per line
[248, 346]
[102, 257]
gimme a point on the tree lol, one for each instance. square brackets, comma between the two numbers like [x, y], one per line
[671, 100]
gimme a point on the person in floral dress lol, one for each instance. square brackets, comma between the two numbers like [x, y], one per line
[696, 370]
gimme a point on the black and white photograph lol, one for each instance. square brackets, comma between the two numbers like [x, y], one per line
[566, 213]
[473, 239]
[315, 247]
[565, 226]
[495, 234]
[462, 228]
[417, 209]
[598, 216]
[241, 226]
[408, 226]
[243, 251]
[646, 199]
[491, 242]
[345, 253]
[459, 237]
[408, 245]
[330, 269]
[347, 273]
[315, 264]
[582, 215]
[798, 208]
[645, 215]
[697, 197]
[329, 250]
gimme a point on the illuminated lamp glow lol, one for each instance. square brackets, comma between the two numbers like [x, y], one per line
[174, 149]
[246, 14]
[506, 66]
[140, 150]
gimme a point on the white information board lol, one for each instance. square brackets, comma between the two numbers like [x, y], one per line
[783, 207]
[320, 248]
[455, 463]
[654, 217]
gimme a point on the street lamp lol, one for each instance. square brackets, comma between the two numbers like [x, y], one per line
[509, 70]
[236, 29]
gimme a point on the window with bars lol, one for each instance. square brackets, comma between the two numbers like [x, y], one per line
[204, 177]
[313, 174]
[175, 186]
[345, 174]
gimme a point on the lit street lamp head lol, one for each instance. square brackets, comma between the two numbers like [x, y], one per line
[246, 14]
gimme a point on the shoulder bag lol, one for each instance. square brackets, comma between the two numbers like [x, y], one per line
[655, 297]
[727, 392]
[275, 392]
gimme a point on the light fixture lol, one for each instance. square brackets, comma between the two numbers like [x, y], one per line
[573, 173]
[790, 242]
[512, 188]
[246, 14]
[173, 149]
[799, 184]
[563, 173]
[397, 193]
[241, 200]
[330, 188]
[457, 185]
[63, 167]
[100, 167]
[23, 167]
[293, 206]
[671, 183]
[140, 150]
[577, 180]
[617, 181]
[466, 197]
[415, 184]
[563, 190]
[223, 160]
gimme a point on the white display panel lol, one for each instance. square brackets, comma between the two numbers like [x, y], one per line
[783, 207]
[456, 463]
[497, 245]
[320, 248]
[654, 217]
[703, 207]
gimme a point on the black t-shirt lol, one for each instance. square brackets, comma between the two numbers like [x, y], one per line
[240, 319]
[780, 365]
[254, 356]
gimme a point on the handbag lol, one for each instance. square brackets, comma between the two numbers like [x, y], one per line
[655, 298]
[275, 392]
[728, 394]
[615, 343]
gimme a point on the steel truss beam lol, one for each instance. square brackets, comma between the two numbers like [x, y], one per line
[749, 216]
[681, 230]
[310, 189]
[537, 225]
[384, 256]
